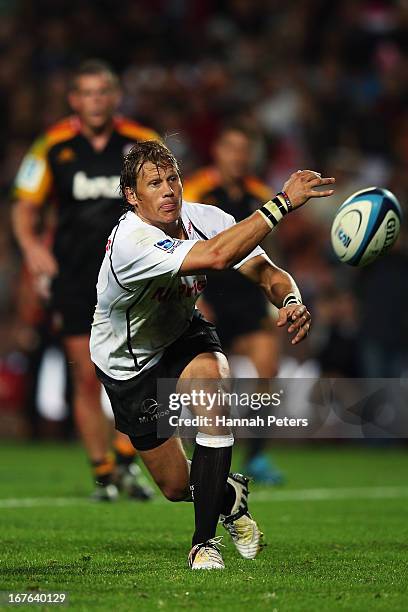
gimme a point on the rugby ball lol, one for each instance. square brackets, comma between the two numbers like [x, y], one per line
[365, 226]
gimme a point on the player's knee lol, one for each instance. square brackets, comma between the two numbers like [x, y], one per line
[207, 366]
[85, 381]
[175, 493]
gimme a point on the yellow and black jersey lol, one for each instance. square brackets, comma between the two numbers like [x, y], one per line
[205, 186]
[62, 166]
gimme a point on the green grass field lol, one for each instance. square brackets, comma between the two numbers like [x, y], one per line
[337, 537]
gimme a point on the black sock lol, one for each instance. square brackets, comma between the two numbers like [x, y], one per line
[228, 500]
[122, 459]
[208, 476]
[103, 470]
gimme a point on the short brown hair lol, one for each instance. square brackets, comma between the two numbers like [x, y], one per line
[94, 66]
[235, 126]
[141, 153]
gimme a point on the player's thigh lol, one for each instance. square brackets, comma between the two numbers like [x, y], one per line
[169, 468]
[205, 379]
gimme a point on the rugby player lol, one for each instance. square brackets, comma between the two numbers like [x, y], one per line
[146, 327]
[76, 164]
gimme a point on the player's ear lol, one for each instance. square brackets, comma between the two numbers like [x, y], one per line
[131, 196]
[215, 148]
[73, 100]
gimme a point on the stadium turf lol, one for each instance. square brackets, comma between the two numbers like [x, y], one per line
[337, 537]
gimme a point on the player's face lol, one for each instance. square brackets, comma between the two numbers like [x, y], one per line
[95, 99]
[159, 195]
[232, 154]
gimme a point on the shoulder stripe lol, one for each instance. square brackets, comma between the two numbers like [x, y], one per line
[63, 130]
[200, 183]
[132, 129]
[257, 188]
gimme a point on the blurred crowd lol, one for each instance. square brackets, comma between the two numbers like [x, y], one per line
[322, 85]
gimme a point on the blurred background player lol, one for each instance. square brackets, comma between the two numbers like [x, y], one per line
[76, 166]
[248, 331]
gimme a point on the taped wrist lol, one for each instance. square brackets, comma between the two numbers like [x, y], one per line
[274, 210]
[290, 299]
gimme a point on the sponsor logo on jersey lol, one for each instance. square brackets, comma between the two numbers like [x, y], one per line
[31, 173]
[85, 188]
[163, 294]
[168, 244]
[194, 289]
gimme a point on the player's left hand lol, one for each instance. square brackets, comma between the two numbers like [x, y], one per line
[298, 318]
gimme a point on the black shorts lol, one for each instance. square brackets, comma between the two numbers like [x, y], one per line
[74, 312]
[133, 401]
[74, 319]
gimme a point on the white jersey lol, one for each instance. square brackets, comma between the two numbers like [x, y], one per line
[143, 304]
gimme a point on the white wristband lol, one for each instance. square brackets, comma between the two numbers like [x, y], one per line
[274, 210]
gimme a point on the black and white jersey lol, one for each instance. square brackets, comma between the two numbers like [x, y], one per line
[144, 305]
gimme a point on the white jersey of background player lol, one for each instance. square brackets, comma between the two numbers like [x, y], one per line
[143, 305]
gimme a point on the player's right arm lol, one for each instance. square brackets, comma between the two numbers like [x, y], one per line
[31, 189]
[37, 256]
[235, 243]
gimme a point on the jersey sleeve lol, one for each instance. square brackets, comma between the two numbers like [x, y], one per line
[141, 256]
[33, 179]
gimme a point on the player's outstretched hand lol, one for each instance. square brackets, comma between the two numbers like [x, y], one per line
[299, 320]
[301, 186]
